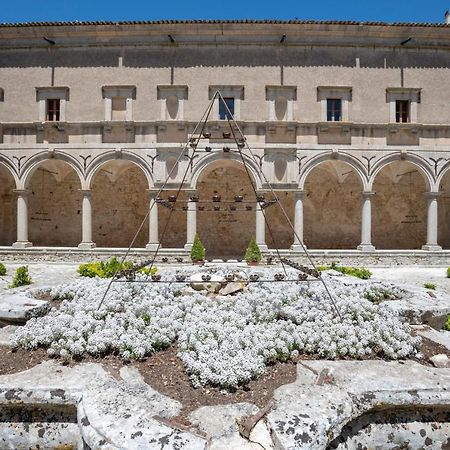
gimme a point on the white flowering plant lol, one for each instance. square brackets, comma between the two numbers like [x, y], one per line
[222, 340]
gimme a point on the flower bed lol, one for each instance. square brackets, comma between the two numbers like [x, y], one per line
[223, 341]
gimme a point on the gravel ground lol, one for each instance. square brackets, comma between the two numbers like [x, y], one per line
[415, 276]
[57, 273]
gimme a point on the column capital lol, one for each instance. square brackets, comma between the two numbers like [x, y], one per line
[85, 191]
[153, 193]
[432, 195]
[367, 194]
[22, 192]
[300, 193]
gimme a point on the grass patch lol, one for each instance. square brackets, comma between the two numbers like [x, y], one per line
[447, 324]
[108, 269]
[2, 269]
[431, 286]
[359, 272]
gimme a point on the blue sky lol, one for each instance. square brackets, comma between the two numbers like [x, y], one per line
[361, 10]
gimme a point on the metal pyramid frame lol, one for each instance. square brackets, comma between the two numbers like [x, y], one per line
[191, 150]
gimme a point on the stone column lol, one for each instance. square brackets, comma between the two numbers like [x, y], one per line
[86, 223]
[432, 223]
[366, 223]
[22, 219]
[260, 228]
[191, 224]
[153, 237]
[298, 222]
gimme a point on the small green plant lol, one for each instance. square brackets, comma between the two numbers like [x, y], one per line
[148, 271]
[21, 278]
[103, 269]
[198, 250]
[429, 285]
[2, 269]
[448, 272]
[447, 324]
[252, 254]
[359, 272]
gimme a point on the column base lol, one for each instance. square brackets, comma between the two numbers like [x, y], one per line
[432, 248]
[298, 247]
[87, 245]
[366, 248]
[153, 246]
[188, 247]
[263, 248]
[22, 244]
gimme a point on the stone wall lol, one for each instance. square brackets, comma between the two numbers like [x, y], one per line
[399, 218]
[8, 215]
[54, 206]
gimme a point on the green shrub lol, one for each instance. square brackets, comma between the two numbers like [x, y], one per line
[447, 324]
[197, 251]
[448, 272]
[2, 269]
[21, 278]
[430, 286]
[102, 269]
[253, 254]
[148, 271]
[359, 272]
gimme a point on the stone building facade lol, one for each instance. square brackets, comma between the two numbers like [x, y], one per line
[348, 123]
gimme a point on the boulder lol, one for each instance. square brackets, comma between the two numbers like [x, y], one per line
[441, 361]
[232, 288]
[200, 284]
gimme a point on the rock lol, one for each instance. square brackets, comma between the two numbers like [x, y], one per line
[363, 397]
[441, 361]
[220, 425]
[232, 288]
[212, 285]
[441, 337]
[18, 308]
[5, 334]
[417, 307]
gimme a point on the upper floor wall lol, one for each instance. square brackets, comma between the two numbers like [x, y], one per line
[84, 59]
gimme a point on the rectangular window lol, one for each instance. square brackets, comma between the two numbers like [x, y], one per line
[334, 109]
[118, 108]
[223, 112]
[402, 111]
[53, 109]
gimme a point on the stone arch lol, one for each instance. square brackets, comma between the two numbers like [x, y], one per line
[217, 159]
[8, 205]
[120, 203]
[227, 226]
[99, 161]
[418, 161]
[35, 161]
[444, 171]
[54, 203]
[444, 209]
[332, 205]
[399, 206]
[353, 162]
[6, 164]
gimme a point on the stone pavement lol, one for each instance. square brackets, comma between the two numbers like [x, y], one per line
[358, 403]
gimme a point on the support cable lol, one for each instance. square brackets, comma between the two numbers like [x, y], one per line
[283, 210]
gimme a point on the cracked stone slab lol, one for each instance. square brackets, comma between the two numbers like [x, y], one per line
[221, 427]
[19, 307]
[49, 382]
[308, 416]
[418, 307]
[112, 415]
